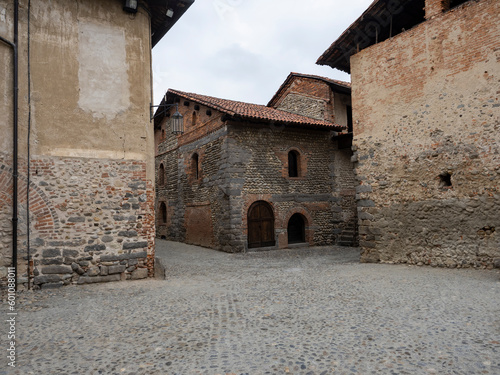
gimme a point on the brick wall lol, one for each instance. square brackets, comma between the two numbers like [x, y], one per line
[426, 115]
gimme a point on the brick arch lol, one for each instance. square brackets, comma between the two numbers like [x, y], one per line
[41, 209]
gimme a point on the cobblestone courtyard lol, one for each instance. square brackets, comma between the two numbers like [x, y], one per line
[302, 311]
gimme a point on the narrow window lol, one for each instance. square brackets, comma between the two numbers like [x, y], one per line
[161, 175]
[349, 118]
[293, 164]
[194, 166]
[195, 119]
[163, 213]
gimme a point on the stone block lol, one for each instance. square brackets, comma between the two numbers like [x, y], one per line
[76, 219]
[76, 268]
[135, 245]
[116, 269]
[96, 247]
[104, 270]
[127, 233]
[70, 253]
[139, 273]
[47, 279]
[49, 253]
[52, 261]
[56, 270]
[98, 279]
[93, 271]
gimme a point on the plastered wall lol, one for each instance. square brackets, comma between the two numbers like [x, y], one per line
[89, 69]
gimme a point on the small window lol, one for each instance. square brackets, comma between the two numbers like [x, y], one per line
[293, 163]
[195, 166]
[445, 180]
[161, 175]
[195, 118]
[163, 213]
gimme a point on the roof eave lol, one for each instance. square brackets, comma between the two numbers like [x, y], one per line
[160, 22]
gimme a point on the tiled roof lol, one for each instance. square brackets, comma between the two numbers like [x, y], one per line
[343, 86]
[254, 111]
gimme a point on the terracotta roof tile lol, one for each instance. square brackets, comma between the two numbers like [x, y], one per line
[254, 111]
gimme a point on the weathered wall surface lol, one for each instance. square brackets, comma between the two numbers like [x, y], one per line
[427, 120]
[240, 163]
[307, 97]
[195, 204]
[91, 140]
[258, 156]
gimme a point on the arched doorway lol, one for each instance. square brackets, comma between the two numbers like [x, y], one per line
[296, 229]
[260, 225]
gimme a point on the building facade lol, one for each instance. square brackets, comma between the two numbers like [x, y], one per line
[426, 111]
[76, 153]
[245, 176]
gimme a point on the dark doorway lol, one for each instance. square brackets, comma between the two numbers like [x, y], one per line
[260, 225]
[296, 229]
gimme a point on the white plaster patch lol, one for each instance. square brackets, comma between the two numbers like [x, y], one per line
[103, 70]
[4, 25]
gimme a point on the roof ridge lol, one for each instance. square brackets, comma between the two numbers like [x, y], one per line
[252, 110]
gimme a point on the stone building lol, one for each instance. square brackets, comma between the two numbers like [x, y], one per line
[245, 176]
[426, 109]
[76, 152]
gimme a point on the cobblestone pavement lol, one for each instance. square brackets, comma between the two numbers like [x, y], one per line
[302, 311]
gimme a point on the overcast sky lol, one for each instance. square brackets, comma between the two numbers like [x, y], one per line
[244, 49]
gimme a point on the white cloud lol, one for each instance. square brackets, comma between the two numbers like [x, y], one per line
[244, 49]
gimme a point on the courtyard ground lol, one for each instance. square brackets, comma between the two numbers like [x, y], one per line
[301, 311]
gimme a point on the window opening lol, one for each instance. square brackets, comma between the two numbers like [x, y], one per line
[293, 164]
[195, 118]
[161, 175]
[349, 118]
[194, 165]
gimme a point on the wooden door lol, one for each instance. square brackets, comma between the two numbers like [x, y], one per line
[260, 225]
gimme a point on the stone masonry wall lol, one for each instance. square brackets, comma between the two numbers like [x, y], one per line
[304, 105]
[196, 208]
[308, 97]
[258, 156]
[91, 221]
[427, 134]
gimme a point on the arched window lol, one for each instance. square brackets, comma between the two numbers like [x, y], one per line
[260, 225]
[163, 213]
[293, 164]
[161, 175]
[296, 229]
[195, 166]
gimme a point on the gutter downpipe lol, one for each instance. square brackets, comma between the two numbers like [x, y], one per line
[15, 167]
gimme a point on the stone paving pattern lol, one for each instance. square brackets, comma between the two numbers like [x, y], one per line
[301, 311]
